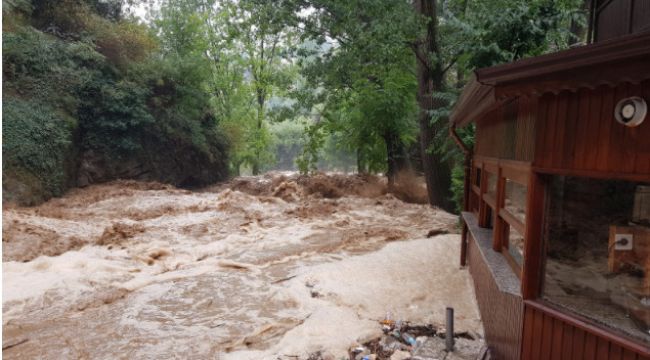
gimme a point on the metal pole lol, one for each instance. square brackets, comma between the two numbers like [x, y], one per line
[449, 336]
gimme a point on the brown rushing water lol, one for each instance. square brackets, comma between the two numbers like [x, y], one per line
[257, 268]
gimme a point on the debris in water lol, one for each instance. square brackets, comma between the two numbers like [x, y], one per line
[15, 343]
[436, 232]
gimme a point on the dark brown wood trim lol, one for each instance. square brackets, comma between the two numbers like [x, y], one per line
[513, 221]
[586, 325]
[622, 48]
[593, 174]
[491, 201]
[524, 165]
[533, 244]
[623, 59]
[518, 175]
[499, 225]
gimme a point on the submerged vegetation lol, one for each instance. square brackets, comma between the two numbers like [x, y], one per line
[199, 89]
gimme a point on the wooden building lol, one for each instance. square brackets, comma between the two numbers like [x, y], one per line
[557, 196]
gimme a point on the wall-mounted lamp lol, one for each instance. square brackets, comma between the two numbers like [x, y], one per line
[631, 111]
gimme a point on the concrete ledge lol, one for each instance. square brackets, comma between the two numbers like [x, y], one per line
[506, 279]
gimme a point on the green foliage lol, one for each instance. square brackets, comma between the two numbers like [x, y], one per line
[495, 32]
[36, 138]
[314, 138]
[286, 143]
[80, 79]
[114, 117]
[365, 68]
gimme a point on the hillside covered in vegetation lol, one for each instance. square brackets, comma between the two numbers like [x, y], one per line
[89, 96]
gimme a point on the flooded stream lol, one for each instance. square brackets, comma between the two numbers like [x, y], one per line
[278, 266]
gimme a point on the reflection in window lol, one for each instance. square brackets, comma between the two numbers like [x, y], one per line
[490, 216]
[598, 252]
[492, 184]
[515, 201]
[516, 246]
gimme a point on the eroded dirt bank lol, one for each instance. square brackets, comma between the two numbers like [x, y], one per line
[265, 267]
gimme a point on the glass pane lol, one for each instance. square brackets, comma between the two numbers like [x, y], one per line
[492, 184]
[515, 201]
[516, 245]
[598, 252]
[477, 177]
[473, 201]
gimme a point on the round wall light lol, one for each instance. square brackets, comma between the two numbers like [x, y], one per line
[631, 111]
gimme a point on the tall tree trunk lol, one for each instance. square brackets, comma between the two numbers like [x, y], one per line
[361, 163]
[437, 173]
[397, 157]
[260, 123]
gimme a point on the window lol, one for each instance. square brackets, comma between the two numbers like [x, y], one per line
[598, 252]
[514, 246]
[501, 205]
[515, 200]
[491, 185]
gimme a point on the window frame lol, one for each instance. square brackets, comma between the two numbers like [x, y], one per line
[518, 172]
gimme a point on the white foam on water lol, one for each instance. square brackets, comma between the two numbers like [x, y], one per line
[201, 274]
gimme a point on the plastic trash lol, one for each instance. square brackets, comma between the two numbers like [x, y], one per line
[388, 319]
[409, 339]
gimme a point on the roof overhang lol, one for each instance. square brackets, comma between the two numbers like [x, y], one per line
[625, 59]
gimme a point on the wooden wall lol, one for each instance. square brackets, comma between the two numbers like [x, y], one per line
[577, 131]
[501, 313]
[550, 335]
[615, 18]
[508, 131]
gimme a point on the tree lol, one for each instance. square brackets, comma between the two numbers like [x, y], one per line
[363, 68]
[431, 72]
[263, 32]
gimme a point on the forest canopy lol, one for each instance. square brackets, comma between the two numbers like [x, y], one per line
[191, 91]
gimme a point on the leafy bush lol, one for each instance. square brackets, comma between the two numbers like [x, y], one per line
[38, 140]
[91, 82]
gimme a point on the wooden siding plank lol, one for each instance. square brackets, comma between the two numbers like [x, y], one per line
[567, 343]
[591, 129]
[631, 136]
[629, 355]
[582, 148]
[542, 129]
[602, 349]
[604, 129]
[547, 337]
[538, 327]
[529, 334]
[591, 342]
[571, 131]
[559, 143]
[617, 133]
[550, 132]
[558, 335]
[531, 130]
[578, 344]
[615, 352]
[643, 150]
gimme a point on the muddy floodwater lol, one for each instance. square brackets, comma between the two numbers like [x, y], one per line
[278, 266]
